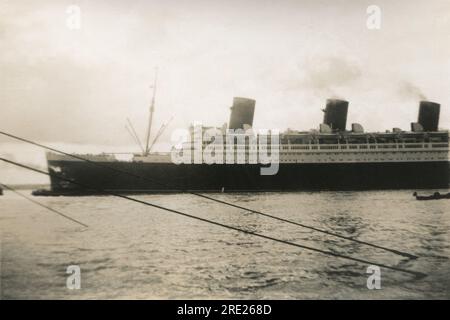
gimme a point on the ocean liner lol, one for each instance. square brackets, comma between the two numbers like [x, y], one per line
[328, 158]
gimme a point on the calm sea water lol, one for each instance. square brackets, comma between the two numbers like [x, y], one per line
[134, 251]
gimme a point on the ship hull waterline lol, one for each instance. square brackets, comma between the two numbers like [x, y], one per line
[172, 178]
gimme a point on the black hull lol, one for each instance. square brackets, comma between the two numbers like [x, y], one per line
[168, 177]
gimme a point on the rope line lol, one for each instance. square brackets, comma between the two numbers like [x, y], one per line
[43, 205]
[395, 251]
[329, 253]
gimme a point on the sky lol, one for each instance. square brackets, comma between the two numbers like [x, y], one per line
[75, 88]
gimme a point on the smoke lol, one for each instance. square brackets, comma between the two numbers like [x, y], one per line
[327, 76]
[408, 90]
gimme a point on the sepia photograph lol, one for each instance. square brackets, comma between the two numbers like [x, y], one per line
[224, 155]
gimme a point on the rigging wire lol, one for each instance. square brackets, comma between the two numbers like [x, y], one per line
[43, 205]
[395, 251]
[325, 252]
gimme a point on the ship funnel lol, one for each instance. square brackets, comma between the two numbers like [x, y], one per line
[242, 113]
[336, 114]
[429, 115]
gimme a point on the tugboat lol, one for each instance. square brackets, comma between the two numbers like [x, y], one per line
[434, 196]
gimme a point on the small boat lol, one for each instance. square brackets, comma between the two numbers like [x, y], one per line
[434, 196]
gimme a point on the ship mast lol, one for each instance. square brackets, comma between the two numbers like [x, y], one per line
[150, 120]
